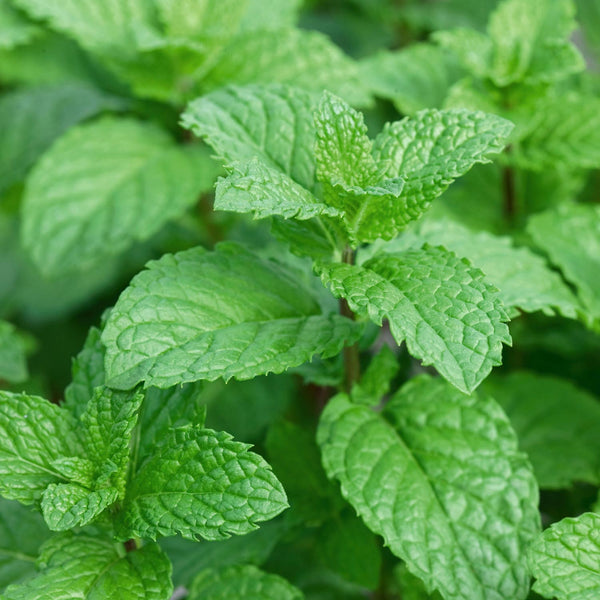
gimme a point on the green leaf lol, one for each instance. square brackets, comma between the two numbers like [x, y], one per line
[524, 279]
[22, 531]
[89, 568]
[274, 15]
[200, 483]
[413, 78]
[305, 59]
[472, 48]
[243, 580]
[271, 123]
[430, 151]
[448, 315]
[531, 41]
[13, 364]
[204, 315]
[108, 423]
[68, 505]
[570, 235]
[33, 434]
[375, 383]
[438, 475]
[565, 559]
[31, 119]
[557, 425]
[15, 29]
[103, 186]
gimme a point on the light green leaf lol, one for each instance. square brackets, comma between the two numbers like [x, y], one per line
[565, 559]
[413, 78]
[472, 48]
[243, 580]
[31, 119]
[33, 433]
[267, 191]
[15, 29]
[524, 279]
[89, 568]
[319, 238]
[271, 123]
[429, 151]
[448, 315]
[101, 187]
[13, 364]
[570, 235]
[557, 425]
[200, 483]
[375, 382]
[531, 41]
[68, 505]
[305, 59]
[22, 531]
[438, 475]
[272, 15]
[204, 315]
[108, 423]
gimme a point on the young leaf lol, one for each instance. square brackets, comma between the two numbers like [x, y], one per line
[200, 483]
[565, 559]
[472, 48]
[275, 15]
[375, 382]
[243, 580]
[89, 568]
[33, 434]
[430, 151]
[448, 315]
[570, 235]
[165, 329]
[101, 187]
[438, 475]
[557, 425]
[68, 505]
[15, 29]
[13, 365]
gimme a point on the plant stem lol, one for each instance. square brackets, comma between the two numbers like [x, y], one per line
[509, 191]
[130, 545]
[351, 355]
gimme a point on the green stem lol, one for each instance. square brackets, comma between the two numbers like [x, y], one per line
[351, 354]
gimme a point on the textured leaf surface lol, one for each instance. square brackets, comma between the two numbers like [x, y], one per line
[449, 317]
[87, 568]
[204, 315]
[570, 235]
[15, 29]
[565, 559]
[414, 78]
[13, 364]
[22, 531]
[33, 434]
[200, 483]
[375, 382]
[69, 505]
[524, 279]
[276, 14]
[430, 151]
[438, 475]
[557, 425]
[31, 119]
[242, 582]
[101, 187]
[271, 123]
[305, 59]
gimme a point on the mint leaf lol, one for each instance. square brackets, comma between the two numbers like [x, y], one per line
[438, 475]
[31, 119]
[271, 123]
[570, 235]
[22, 531]
[13, 364]
[275, 15]
[200, 483]
[90, 569]
[69, 505]
[429, 151]
[448, 315]
[33, 434]
[472, 48]
[305, 59]
[15, 29]
[101, 187]
[267, 321]
[416, 77]
[227, 583]
[565, 559]
[557, 425]
[375, 382]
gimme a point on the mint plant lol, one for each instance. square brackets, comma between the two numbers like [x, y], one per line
[312, 390]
